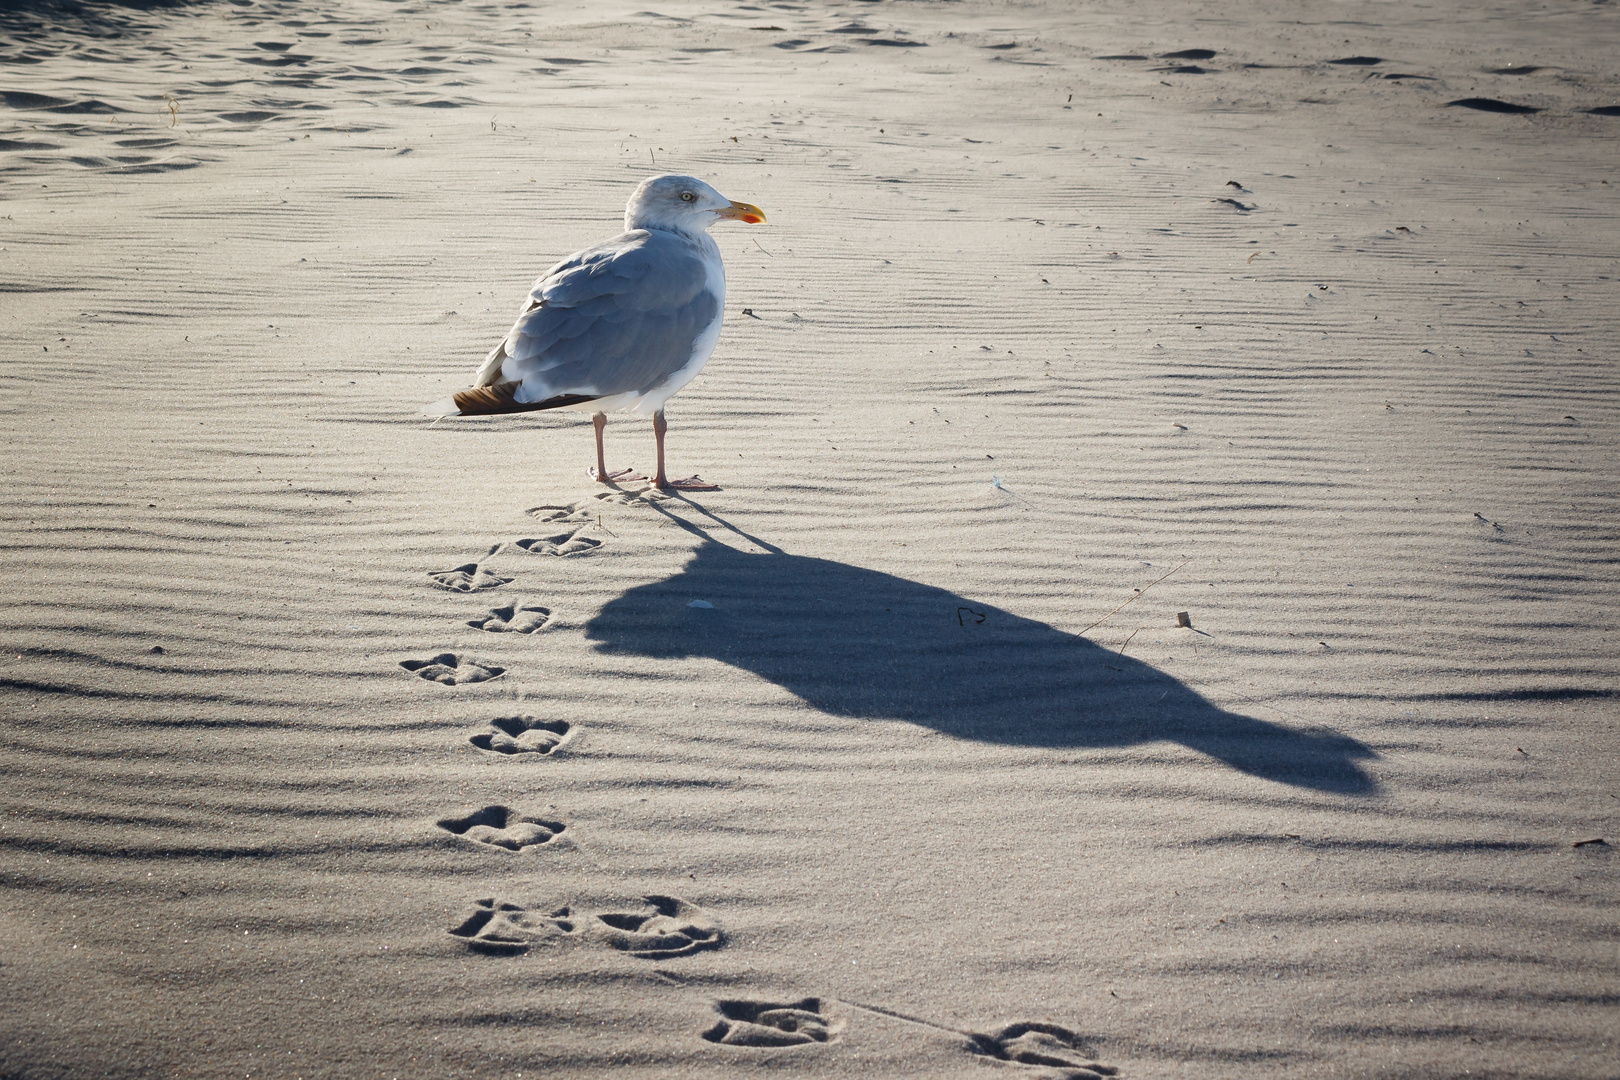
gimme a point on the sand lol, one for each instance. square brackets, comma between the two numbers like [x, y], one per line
[1037, 351]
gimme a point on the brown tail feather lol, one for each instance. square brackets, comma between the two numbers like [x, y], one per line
[484, 400]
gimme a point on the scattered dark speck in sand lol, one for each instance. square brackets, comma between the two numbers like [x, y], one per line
[1485, 104]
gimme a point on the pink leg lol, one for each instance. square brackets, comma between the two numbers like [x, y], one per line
[660, 425]
[691, 483]
[599, 422]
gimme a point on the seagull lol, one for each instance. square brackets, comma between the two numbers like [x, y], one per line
[623, 324]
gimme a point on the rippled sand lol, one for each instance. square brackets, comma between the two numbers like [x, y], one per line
[340, 743]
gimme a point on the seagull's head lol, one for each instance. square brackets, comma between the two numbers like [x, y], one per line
[685, 204]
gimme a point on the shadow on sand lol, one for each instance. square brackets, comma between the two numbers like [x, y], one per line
[860, 643]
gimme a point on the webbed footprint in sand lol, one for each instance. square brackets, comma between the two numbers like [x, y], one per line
[507, 929]
[574, 512]
[668, 926]
[573, 520]
[589, 510]
[773, 1023]
[448, 669]
[523, 735]
[567, 542]
[503, 827]
[469, 577]
[1044, 1046]
[515, 618]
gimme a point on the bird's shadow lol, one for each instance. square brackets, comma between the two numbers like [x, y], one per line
[856, 642]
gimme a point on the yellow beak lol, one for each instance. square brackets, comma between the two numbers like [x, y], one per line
[741, 211]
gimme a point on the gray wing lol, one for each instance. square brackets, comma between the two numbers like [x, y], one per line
[616, 318]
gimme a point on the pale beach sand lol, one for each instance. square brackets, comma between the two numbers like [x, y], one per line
[1028, 330]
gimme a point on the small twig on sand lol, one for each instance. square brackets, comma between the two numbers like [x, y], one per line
[1121, 607]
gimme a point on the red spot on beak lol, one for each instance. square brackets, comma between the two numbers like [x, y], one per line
[741, 211]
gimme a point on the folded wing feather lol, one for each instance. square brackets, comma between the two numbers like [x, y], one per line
[619, 317]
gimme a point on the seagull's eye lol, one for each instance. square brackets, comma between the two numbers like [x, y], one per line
[687, 196]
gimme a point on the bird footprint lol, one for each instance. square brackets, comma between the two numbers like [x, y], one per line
[516, 618]
[667, 926]
[469, 577]
[573, 512]
[450, 669]
[506, 929]
[569, 542]
[502, 827]
[522, 735]
[772, 1023]
[1042, 1044]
